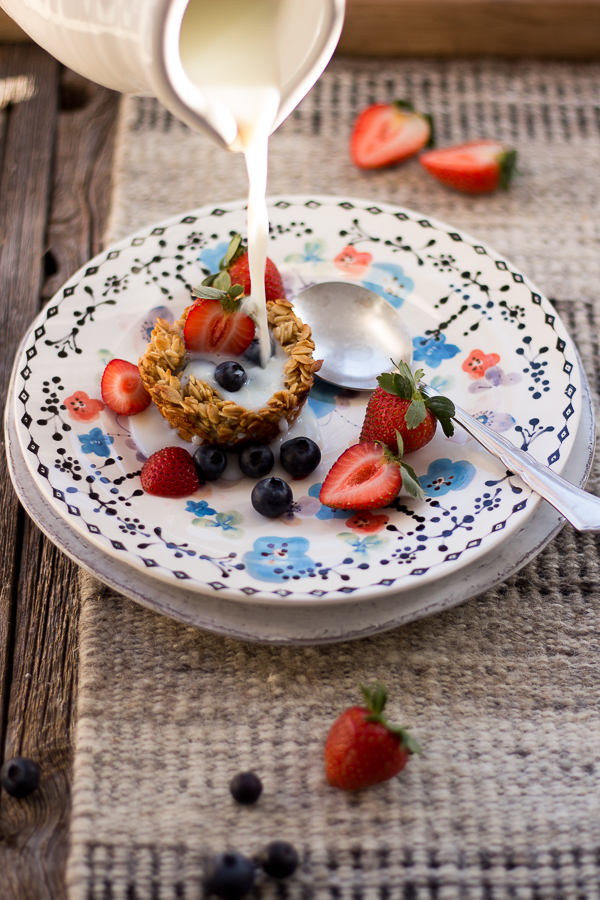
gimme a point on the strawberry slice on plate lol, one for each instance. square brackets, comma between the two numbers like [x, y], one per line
[217, 324]
[170, 473]
[386, 133]
[367, 476]
[122, 388]
[478, 167]
[234, 268]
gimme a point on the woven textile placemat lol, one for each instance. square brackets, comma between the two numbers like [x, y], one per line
[502, 692]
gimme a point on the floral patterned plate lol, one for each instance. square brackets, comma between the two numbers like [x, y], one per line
[480, 330]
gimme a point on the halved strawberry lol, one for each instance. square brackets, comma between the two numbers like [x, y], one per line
[216, 322]
[478, 167]
[122, 388]
[234, 268]
[387, 133]
[367, 476]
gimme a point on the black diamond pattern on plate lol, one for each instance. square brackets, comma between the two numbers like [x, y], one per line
[425, 223]
[42, 470]
[386, 582]
[318, 593]
[419, 571]
[74, 511]
[313, 204]
[181, 576]
[560, 345]
[93, 529]
[30, 353]
[549, 319]
[26, 373]
[118, 545]
[499, 526]
[455, 237]
[568, 412]
[216, 585]
[568, 368]
[282, 204]
[518, 278]
[554, 457]
[563, 434]
[218, 212]
[474, 543]
[93, 270]
[40, 332]
[26, 419]
[402, 216]
[23, 396]
[501, 265]
[51, 312]
[32, 446]
[249, 591]
[113, 254]
[58, 495]
[452, 556]
[149, 563]
[68, 292]
[158, 231]
[519, 506]
[137, 242]
[480, 250]
[346, 205]
[346, 590]
[535, 298]
[189, 220]
[374, 210]
[282, 593]
[570, 390]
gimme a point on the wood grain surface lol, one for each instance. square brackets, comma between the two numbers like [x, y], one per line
[508, 28]
[55, 157]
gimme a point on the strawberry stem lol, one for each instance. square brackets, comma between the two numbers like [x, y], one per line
[375, 698]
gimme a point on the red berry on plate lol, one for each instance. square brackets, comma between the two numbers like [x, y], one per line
[366, 476]
[235, 269]
[478, 167]
[122, 388]
[216, 323]
[362, 748]
[386, 133]
[398, 413]
[170, 473]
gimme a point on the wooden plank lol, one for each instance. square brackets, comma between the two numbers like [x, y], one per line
[446, 28]
[40, 631]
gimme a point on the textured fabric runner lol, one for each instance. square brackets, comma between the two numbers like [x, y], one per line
[502, 691]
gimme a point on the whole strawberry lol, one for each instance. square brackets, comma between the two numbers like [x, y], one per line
[397, 407]
[170, 473]
[362, 748]
[234, 269]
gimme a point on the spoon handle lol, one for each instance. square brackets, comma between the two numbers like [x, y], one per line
[578, 507]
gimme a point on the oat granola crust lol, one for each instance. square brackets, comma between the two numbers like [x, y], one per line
[197, 409]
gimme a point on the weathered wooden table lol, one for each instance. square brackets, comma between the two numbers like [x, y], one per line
[55, 163]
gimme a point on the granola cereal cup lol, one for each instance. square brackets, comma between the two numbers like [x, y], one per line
[197, 410]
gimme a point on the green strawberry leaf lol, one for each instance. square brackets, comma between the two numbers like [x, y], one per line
[411, 481]
[386, 382]
[404, 370]
[441, 407]
[406, 739]
[222, 281]
[375, 698]
[447, 426]
[404, 105]
[234, 246]
[400, 440]
[415, 414]
[431, 141]
[236, 290]
[209, 279]
[208, 293]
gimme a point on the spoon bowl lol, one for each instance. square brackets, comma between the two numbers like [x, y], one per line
[356, 332]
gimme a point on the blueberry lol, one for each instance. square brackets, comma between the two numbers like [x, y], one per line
[252, 354]
[230, 875]
[230, 375]
[279, 859]
[256, 460]
[210, 462]
[246, 788]
[20, 776]
[271, 497]
[300, 456]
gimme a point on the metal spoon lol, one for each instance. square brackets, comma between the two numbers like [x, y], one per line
[340, 316]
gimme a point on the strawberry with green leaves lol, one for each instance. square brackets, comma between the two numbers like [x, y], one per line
[368, 476]
[478, 167]
[397, 406]
[234, 268]
[362, 748]
[217, 324]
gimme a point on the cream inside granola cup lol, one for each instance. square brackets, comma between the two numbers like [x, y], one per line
[197, 410]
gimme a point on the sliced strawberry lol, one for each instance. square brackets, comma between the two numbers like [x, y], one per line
[216, 322]
[122, 388]
[478, 167]
[170, 473]
[387, 133]
[234, 268]
[366, 476]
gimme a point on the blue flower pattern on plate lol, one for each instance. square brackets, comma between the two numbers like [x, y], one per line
[389, 281]
[444, 475]
[279, 559]
[325, 512]
[433, 350]
[212, 256]
[199, 508]
[96, 442]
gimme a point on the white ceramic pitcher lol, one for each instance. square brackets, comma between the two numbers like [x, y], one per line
[134, 46]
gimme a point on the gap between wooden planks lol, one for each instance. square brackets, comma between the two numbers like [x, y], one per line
[55, 161]
[568, 29]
